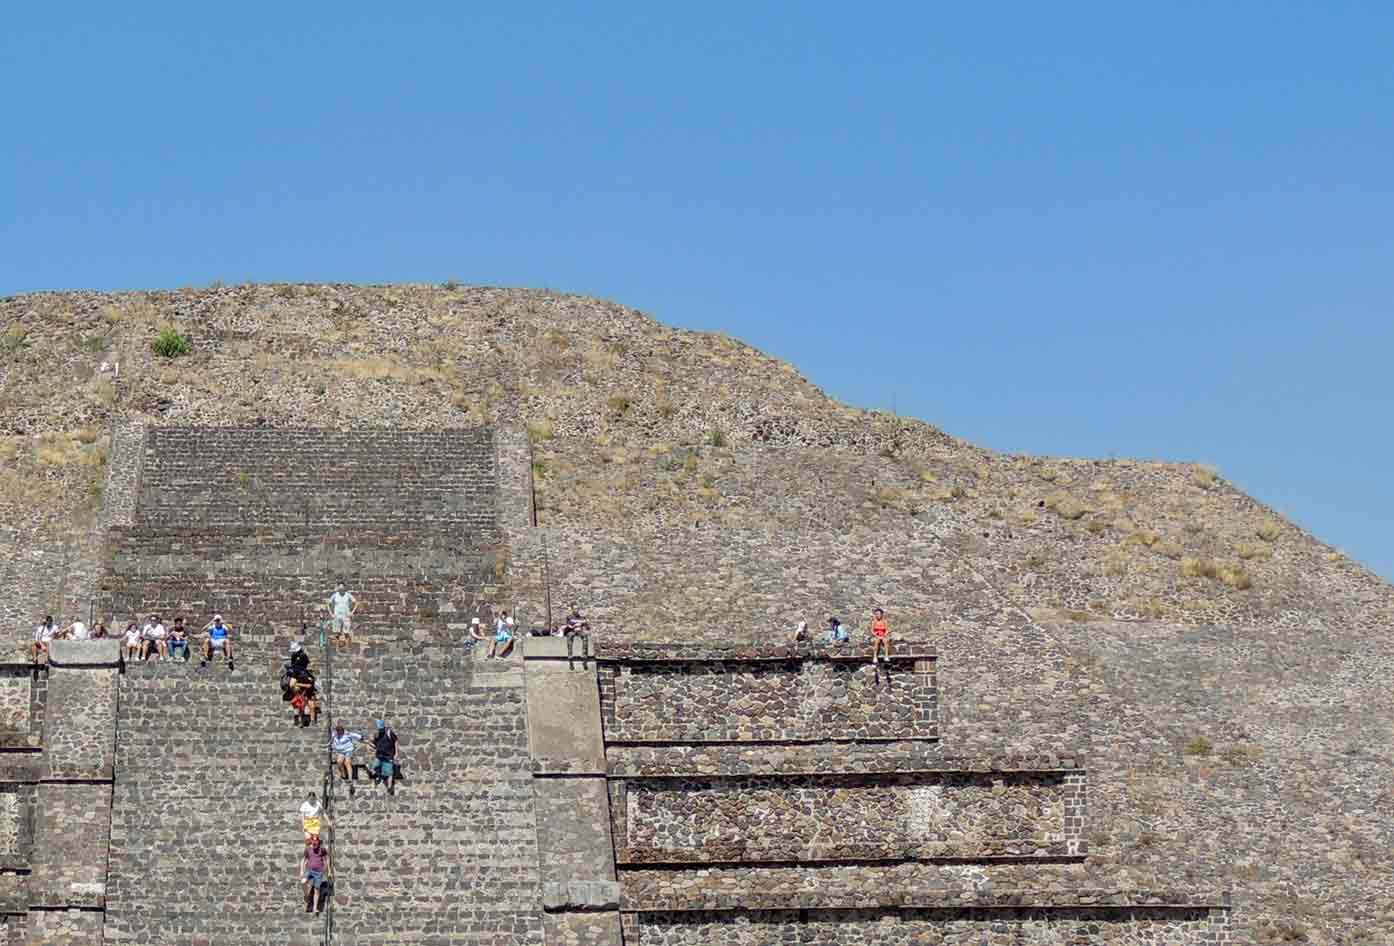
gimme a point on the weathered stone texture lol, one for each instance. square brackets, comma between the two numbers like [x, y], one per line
[123, 473]
[221, 476]
[72, 828]
[62, 928]
[16, 697]
[1139, 926]
[454, 856]
[583, 929]
[80, 722]
[791, 700]
[847, 817]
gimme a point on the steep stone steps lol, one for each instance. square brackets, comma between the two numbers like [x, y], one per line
[206, 839]
[452, 857]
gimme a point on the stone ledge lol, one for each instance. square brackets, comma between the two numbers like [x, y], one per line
[638, 652]
[103, 653]
[907, 756]
[736, 855]
[581, 895]
[933, 899]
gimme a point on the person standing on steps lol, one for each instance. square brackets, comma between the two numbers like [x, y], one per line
[385, 756]
[342, 605]
[315, 874]
[311, 817]
[219, 640]
[43, 636]
[343, 744]
[880, 642]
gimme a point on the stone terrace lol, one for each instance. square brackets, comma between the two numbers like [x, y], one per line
[257, 523]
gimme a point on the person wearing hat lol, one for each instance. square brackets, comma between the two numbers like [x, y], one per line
[385, 756]
[299, 660]
[219, 639]
[801, 632]
[476, 634]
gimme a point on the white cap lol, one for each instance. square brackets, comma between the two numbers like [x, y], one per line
[803, 626]
[474, 623]
[217, 617]
[294, 646]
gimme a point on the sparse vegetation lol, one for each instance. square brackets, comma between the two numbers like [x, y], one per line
[170, 344]
[14, 339]
[1198, 746]
[715, 438]
[618, 404]
[541, 430]
[1268, 531]
[1066, 506]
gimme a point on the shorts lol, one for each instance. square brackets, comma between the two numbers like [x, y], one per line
[315, 878]
[344, 757]
[343, 625]
[383, 767]
[217, 643]
[502, 637]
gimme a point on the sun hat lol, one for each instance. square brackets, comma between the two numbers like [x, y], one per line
[474, 623]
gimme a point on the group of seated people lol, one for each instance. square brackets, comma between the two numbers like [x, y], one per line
[153, 641]
[839, 633]
[46, 632]
[501, 645]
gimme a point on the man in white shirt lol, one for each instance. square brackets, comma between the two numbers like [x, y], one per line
[342, 604]
[153, 636]
[76, 631]
[44, 633]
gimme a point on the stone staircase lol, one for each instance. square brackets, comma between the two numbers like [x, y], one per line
[206, 841]
[452, 857]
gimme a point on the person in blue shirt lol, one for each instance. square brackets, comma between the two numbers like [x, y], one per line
[219, 639]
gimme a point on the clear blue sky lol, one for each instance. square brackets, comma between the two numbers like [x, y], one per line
[1157, 230]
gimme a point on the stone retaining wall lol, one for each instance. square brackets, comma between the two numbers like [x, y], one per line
[795, 699]
[229, 475]
[1134, 926]
[861, 816]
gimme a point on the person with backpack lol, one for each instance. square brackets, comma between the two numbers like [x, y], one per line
[385, 756]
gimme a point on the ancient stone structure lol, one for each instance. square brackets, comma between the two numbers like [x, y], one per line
[649, 794]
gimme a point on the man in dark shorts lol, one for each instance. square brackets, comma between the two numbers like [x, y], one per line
[385, 756]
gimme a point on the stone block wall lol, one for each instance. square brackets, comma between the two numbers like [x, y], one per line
[1140, 926]
[802, 697]
[848, 817]
[257, 524]
[219, 476]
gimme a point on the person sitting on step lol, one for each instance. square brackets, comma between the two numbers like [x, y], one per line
[153, 639]
[76, 631]
[880, 635]
[385, 756]
[130, 642]
[503, 636]
[837, 632]
[219, 640]
[476, 634]
[315, 874]
[178, 640]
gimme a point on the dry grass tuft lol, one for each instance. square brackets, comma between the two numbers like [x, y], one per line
[1066, 506]
[1199, 568]
[67, 449]
[1269, 531]
[1235, 577]
[1249, 551]
[1205, 477]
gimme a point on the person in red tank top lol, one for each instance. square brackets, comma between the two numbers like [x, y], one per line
[880, 635]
